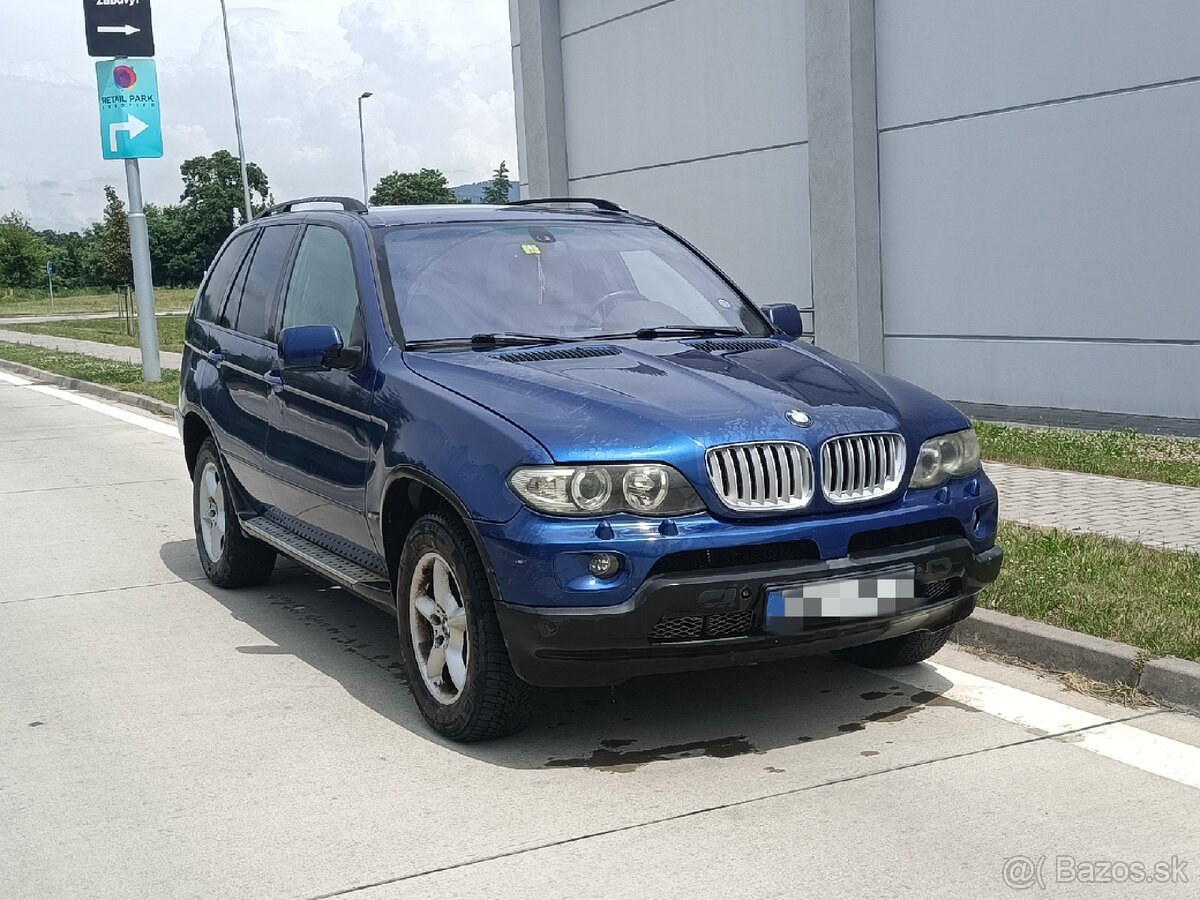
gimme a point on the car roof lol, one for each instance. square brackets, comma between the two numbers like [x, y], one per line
[386, 216]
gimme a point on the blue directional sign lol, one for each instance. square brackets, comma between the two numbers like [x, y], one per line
[130, 122]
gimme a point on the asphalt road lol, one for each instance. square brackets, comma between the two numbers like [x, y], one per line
[161, 738]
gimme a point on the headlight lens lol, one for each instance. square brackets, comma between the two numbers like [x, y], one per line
[944, 457]
[646, 489]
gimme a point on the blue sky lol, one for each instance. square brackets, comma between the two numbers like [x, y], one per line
[441, 71]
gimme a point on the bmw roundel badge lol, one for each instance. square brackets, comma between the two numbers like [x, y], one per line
[798, 417]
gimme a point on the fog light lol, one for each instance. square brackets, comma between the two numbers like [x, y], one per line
[604, 565]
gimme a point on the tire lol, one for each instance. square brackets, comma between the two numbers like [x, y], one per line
[230, 558]
[898, 651]
[474, 694]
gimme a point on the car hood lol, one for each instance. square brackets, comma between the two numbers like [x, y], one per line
[662, 399]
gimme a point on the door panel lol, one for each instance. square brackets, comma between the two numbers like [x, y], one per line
[321, 442]
[244, 408]
[243, 340]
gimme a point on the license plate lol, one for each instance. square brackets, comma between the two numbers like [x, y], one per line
[886, 594]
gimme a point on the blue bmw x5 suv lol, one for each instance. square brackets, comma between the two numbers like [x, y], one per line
[564, 449]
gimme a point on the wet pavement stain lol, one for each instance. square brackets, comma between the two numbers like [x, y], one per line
[773, 770]
[36, 724]
[850, 726]
[803, 739]
[892, 715]
[608, 758]
[874, 695]
[869, 753]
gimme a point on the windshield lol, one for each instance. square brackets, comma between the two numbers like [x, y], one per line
[567, 280]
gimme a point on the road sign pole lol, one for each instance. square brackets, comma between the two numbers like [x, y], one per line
[50, 275]
[143, 280]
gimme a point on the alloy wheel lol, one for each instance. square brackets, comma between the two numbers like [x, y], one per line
[438, 625]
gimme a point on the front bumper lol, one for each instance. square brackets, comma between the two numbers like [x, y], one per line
[564, 646]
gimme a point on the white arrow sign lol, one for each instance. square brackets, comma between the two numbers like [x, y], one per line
[133, 128]
[126, 30]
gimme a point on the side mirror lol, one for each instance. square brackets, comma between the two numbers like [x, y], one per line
[315, 347]
[785, 317]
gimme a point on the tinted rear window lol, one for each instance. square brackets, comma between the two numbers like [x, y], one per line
[222, 274]
[258, 299]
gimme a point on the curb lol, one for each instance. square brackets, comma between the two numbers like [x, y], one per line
[101, 391]
[1168, 679]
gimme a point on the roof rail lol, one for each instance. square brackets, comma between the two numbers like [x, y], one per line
[606, 205]
[349, 204]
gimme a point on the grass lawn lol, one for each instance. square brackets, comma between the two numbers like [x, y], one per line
[123, 376]
[1101, 586]
[20, 302]
[108, 331]
[1124, 453]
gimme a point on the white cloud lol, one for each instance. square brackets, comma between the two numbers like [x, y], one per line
[440, 72]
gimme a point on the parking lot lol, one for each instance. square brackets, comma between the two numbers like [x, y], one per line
[163, 738]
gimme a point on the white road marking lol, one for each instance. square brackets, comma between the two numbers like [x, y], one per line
[1123, 743]
[156, 425]
[14, 379]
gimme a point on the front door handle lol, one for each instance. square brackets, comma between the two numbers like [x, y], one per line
[275, 379]
[215, 356]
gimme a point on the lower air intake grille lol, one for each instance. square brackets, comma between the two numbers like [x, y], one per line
[682, 628]
[691, 628]
[940, 590]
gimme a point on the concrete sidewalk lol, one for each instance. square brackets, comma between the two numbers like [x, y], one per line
[1159, 515]
[77, 317]
[91, 348]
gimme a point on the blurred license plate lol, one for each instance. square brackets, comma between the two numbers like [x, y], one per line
[885, 594]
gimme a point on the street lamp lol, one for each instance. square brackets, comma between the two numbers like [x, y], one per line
[237, 115]
[362, 141]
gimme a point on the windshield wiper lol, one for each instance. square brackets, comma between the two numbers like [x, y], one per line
[649, 334]
[492, 339]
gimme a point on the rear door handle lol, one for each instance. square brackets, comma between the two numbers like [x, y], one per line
[275, 380]
[215, 356]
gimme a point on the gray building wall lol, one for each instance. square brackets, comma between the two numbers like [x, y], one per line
[997, 200]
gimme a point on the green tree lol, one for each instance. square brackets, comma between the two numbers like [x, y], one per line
[211, 206]
[498, 189]
[23, 254]
[116, 266]
[409, 188]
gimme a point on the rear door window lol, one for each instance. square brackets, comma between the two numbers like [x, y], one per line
[257, 295]
[223, 272]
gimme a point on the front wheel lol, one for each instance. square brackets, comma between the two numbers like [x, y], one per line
[898, 651]
[458, 667]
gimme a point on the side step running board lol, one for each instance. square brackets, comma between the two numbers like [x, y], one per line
[338, 569]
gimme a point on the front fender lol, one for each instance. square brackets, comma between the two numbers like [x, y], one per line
[451, 441]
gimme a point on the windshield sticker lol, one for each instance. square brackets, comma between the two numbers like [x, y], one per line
[531, 249]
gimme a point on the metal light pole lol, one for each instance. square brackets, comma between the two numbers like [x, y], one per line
[362, 142]
[237, 115]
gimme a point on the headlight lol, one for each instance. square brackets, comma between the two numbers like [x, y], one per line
[645, 489]
[944, 457]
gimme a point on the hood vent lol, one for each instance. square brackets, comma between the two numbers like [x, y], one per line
[732, 345]
[524, 356]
